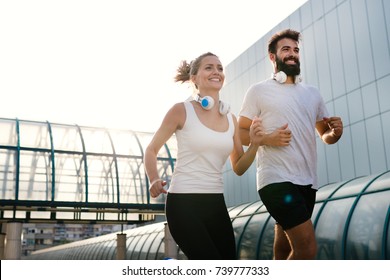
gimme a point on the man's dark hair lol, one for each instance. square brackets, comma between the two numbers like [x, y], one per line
[287, 33]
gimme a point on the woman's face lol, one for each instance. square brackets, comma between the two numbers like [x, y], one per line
[210, 75]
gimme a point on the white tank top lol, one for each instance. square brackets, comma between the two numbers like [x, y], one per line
[202, 154]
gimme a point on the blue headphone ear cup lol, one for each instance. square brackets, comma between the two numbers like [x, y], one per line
[224, 108]
[207, 102]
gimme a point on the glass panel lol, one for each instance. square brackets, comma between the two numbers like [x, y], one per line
[8, 135]
[238, 226]
[66, 138]
[341, 109]
[354, 187]
[317, 9]
[363, 41]
[309, 57]
[65, 215]
[125, 143]
[98, 249]
[360, 149]
[88, 251]
[365, 232]
[386, 135]
[333, 163]
[132, 245]
[35, 135]
[383, 93]
[7, 174]
[236, 210]
[376, 146]
[96, 140]
[109, 247]
[325, 84]
[80, 251]
[138, 248]
[146, 248]
[330, 229]
[370, 100]
[381, 183]
[387, 250]
[152, 253]
[348, 46]
[316, 210]
[306, 14]
[102, 183]
[355, 106]
[40, 215]
[160, 253]
[132, 181]
[266, 244]
[70, 178]
[346, 156]
[145, 139]
[247, 249]
[35, 176]
[324, 192]
[329, 5]
[252, 208]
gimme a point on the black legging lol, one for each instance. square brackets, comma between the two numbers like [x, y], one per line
[201, 226]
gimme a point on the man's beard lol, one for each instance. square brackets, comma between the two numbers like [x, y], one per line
[289, 70]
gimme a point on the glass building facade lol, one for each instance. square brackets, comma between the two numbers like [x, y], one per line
[351, 220]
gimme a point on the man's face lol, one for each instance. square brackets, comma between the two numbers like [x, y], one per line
[287, 57]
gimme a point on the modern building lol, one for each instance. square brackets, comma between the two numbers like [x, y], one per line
[345, 52]
[38, 236]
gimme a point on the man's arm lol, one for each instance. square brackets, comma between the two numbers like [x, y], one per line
[244, 125]
[278, 138]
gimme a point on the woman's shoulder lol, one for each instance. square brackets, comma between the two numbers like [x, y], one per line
[176, 115]
[178, 107]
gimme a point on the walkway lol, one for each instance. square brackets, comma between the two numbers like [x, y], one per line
[69, 173]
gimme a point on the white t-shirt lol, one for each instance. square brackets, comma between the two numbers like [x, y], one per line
[202, 154]
[298, 105]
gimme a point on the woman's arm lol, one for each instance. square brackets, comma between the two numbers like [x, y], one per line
[173, 120]
[239, 159]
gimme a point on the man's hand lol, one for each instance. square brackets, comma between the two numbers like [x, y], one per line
[335, 124]
[279, 137]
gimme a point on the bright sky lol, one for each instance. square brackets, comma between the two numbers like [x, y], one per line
[110, 63]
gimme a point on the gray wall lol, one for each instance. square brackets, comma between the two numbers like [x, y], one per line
[345, 52]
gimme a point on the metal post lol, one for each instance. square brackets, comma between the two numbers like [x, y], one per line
[121, 246]
[13, 243]
[2, 245]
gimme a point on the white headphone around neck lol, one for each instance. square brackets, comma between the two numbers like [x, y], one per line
[207, 103]
[281, 77]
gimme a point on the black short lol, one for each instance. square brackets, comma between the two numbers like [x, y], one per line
[289, 204]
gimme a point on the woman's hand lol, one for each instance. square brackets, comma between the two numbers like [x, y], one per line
[256, 131]
[157, 187]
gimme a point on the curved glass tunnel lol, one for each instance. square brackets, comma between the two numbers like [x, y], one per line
[69, 173]
[351, 220]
